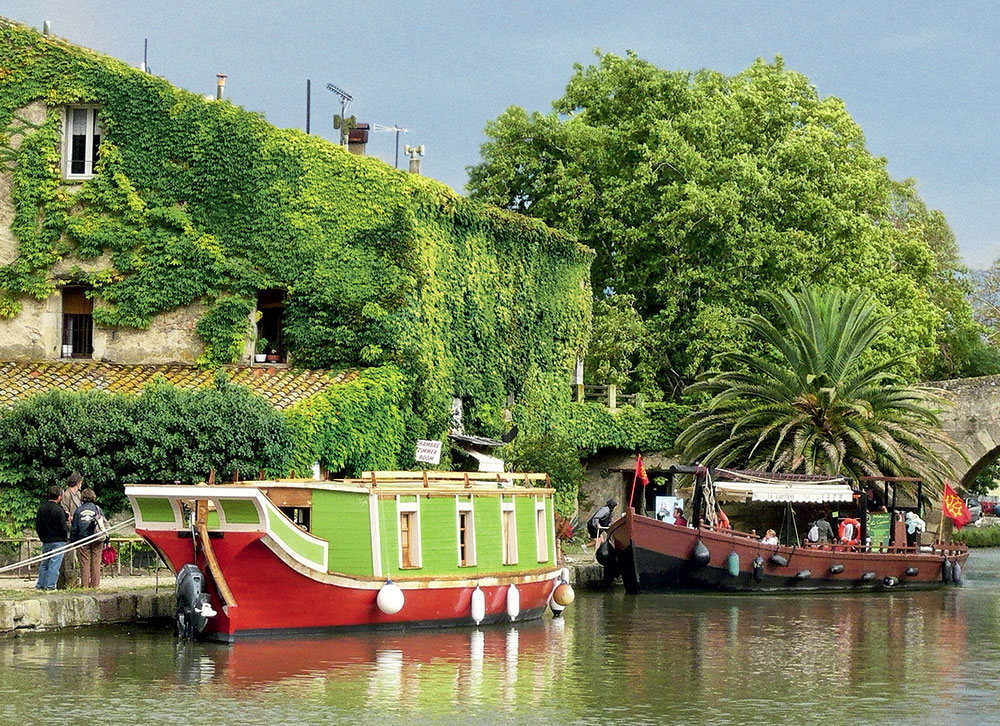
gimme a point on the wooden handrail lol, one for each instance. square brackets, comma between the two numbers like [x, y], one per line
[201, 524]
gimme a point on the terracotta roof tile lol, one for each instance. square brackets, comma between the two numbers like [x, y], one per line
[282, 387]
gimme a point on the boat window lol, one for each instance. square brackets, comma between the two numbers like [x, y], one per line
[508, 532]
[299, 515]
[466, 535]
[409, 535]
[541, 531]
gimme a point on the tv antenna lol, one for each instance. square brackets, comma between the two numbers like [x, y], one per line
[396, 128]
[341, 122]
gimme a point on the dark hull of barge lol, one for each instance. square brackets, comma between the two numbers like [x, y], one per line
[651, 555]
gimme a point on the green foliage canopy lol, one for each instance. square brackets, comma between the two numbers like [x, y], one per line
[698, 189]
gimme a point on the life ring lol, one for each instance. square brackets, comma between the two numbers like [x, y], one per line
[856, 532]
[723, 520]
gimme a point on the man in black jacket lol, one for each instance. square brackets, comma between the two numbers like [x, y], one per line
[50, 524]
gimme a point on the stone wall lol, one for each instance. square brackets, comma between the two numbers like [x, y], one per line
[36, 332]
[50, 612]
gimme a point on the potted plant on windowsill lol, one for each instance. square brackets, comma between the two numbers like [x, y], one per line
[272, 355]
[261, 355]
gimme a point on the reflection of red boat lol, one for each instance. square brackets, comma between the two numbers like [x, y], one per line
[652, 554]
[256, 662]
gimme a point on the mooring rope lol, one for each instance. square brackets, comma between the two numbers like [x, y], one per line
[68, 547]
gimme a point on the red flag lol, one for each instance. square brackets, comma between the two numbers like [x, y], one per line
[640, 471]
[955, 508]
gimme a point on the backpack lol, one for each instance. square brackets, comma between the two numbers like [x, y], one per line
[813, 534]
[99, 524]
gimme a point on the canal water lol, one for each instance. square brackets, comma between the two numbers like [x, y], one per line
[899, 658]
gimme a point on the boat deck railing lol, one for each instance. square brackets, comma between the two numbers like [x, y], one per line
[466, 479]
[940, 549]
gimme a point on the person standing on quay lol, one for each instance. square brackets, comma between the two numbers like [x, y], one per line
[50, 524]
[84, 525]
[70, 503]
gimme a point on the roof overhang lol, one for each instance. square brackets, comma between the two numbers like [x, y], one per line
[748, 491]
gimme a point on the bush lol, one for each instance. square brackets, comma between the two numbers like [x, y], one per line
[979, 536]
[559, 459]
[165, 434]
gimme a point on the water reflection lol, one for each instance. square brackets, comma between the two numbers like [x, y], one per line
[701, 659]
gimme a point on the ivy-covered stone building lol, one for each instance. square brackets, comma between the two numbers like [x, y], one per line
[142, 224]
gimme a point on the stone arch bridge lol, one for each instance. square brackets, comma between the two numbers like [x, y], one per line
[973, 423]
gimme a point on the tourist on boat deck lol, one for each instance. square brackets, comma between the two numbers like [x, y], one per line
[874, 501]
[770, 538]
[914, 526]
[820, 531]
[679, 517]
[601, 519]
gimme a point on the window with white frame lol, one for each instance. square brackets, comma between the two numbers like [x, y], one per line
[408, 519]
[466, 534]
[541, 531]
[81, 141]
[508, 531]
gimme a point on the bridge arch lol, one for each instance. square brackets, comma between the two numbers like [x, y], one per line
[973, 423]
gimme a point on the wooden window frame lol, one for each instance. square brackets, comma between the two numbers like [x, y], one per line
[541, 531]
[410, 511]
[508, 531]
[93, 133]
[77, 323]
[465, 509]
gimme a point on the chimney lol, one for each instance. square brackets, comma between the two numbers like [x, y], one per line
[46, 28]
[357, 138]
[220, 85]
[415, 153]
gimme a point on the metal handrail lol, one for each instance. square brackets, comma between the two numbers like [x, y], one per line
[28, 545]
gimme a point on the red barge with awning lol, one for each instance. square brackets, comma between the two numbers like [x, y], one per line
[651, 554]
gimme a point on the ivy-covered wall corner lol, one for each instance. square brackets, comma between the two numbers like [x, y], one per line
[352, 427]
[198, 205]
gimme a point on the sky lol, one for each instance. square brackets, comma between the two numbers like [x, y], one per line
[921, 78]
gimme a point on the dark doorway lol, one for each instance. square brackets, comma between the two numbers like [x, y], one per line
[77, 322]
[271, 305]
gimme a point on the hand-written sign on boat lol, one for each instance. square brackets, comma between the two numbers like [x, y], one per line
[428, 452]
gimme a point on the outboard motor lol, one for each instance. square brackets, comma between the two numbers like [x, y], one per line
[193, 603]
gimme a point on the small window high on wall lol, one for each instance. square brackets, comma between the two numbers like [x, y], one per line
[271, 306]
[77, 322]
[81, 141]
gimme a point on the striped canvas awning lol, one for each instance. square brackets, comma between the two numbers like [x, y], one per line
[783, 491]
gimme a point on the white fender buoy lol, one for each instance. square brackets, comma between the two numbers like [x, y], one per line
[556, 607]
[563, 594]
[478, 605]
[513, 602]
[390, 598]
[564, 574]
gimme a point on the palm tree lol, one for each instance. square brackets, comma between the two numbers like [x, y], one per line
[816, 404]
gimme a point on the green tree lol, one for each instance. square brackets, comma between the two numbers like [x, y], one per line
[816, 402]
[697, 190]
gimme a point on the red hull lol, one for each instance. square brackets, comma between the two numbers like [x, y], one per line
[272, 596]
[653, 555]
